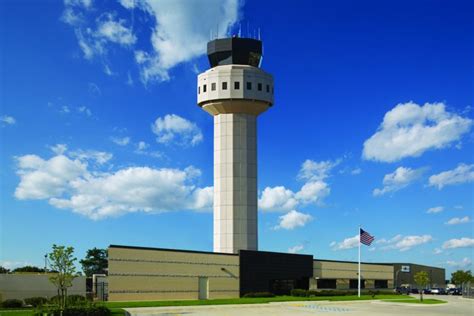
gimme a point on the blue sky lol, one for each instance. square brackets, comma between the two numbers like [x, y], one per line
[102, 141]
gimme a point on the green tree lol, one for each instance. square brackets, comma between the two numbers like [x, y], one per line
[28, 269]
[62, 260]
[4, 270]
[95, 262]
[460, 276]
[422, 279]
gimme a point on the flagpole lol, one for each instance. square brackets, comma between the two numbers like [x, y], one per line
[358, 280]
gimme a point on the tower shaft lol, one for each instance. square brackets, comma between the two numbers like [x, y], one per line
[235, 182]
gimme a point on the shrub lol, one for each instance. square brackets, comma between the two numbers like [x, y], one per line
[259, 294]
[86, 310]
[299, 292]
[72, 300]
[36, 301]
[12, 303]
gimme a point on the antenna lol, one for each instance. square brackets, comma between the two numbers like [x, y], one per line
[240, 30]
[217, 29]
[259, 34]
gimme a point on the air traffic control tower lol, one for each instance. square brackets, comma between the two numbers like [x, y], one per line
[235, 91]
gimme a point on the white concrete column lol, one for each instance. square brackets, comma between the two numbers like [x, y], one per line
[235, 182]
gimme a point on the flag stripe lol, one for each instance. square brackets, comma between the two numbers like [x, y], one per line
[365, 237]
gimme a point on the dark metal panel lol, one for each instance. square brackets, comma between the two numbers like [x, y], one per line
[262, 271]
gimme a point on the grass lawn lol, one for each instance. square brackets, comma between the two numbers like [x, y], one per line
[427, 301]
[256, 300]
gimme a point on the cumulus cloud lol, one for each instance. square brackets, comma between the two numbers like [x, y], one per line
[174, 129]
[348, 243]
[293, 219]
[409, 129]
[277, 199]
[295, 249]
[43, 179]
[464, 242]
[142, 149]
[7, 120]
[436, 209]
[461, 174]
[121, 141]
[59, 149]
[398, 180]
[313, 191]
[85, 110]
[179, 31]
[458, 220]
[70, 182]
[404, 243]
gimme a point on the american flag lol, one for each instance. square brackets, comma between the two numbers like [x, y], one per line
[365, 237]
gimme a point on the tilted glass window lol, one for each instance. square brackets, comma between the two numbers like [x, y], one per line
[249, 85]
[213, 86]
[224, 85]
[268, 88]
[204, 88]
[237, 85]
[259, 87]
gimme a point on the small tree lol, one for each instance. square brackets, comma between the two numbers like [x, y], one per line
[62, 260]
[95, 262]
[422, 279]
[4, 270]
[460, 277]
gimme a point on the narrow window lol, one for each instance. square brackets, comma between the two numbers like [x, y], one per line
[268, 88]
[213, 86]
[259, 87]
[199, 90]
[237, 85]
[204, 88]
[224, 85]
[249, 86]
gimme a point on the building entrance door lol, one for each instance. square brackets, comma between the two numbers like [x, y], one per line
[203, 288]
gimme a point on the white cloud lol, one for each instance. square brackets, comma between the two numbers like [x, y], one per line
[85, 110]
[121, 141]
[315, 171]
[461, 264]
[70, 184]
[115, 32]
[65, 109]
[7, 120]
[277, 199]
[437, 251]
[461, 174]
[464, 242]
[142, 145]
[408, 130]
[295, 249]
[142, 149]
[59, 149]
[128, 4]
[356, 171]
[313, 191]
[436, 209]
[100, 157]
[181, 32]
[404, 243]
[293, 219]
[398, 179]
[174, 129]
[348, 243]
[42, 179]
[458, 220]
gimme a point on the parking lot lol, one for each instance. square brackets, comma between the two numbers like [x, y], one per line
[455, 306]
